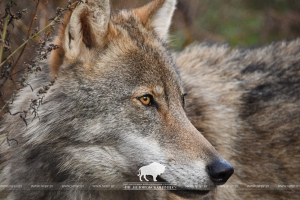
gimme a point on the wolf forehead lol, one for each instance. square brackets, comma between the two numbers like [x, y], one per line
[138, 47]
[135, 51]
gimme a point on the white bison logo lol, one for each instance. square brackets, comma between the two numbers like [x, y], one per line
[154, 169]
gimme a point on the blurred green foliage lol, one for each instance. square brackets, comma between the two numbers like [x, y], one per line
[239, 22]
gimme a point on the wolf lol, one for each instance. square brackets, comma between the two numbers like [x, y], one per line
[246, 102]
[116, 105]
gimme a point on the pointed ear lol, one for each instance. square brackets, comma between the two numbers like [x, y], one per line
[84, 28]
[87, 27]
[158, 15]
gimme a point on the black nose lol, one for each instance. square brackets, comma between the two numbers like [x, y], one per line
[220, 171]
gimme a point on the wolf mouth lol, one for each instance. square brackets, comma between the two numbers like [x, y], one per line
[184, 192]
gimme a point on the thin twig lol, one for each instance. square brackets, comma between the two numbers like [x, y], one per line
[8, 134]
[4, 106]
[3, 36]
[24, 43]
[28, 34]
[23, 83]
[17, 72]
[21, 25]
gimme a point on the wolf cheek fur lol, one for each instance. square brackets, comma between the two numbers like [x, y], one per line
[94, 128]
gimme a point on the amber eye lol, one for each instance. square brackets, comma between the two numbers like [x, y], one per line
[146, 100]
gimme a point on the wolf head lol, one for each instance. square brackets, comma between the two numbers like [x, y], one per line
[118, 104]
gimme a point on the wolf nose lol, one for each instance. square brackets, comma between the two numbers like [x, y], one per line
[220, 171]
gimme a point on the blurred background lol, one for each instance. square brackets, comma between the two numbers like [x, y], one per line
[242, 23]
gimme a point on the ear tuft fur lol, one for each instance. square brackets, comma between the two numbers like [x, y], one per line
[82, 30]
[158, 15]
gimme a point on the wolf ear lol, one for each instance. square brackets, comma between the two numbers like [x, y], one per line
[87, 27]
[158, 15]
[84, 28]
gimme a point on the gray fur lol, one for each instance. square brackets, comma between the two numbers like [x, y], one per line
[92, 127]
[246, 103]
